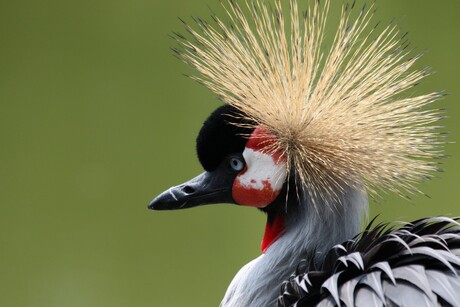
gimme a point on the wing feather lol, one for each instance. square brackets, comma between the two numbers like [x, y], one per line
[417, 264]
[405, 294]
[444, 286]
[373, 280]
[368, 297]
[347, 292]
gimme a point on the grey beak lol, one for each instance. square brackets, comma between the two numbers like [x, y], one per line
[207, 188]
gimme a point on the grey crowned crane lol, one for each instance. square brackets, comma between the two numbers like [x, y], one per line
[305, 136]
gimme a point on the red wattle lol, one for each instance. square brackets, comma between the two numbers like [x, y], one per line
[273, 230]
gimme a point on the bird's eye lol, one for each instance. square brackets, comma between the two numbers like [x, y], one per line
[236, 164]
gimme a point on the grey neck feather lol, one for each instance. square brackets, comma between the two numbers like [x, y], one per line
[308, 230]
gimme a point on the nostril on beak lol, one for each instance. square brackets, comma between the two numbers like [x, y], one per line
[188, 189]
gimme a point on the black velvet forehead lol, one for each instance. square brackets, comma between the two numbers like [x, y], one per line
[219, 138]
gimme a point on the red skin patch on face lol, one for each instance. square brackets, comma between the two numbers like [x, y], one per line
[260, 139]
[252, 197]
[273, 230]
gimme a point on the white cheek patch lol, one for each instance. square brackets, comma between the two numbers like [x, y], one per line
[262, 169]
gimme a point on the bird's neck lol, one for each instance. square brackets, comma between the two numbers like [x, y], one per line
[310, 228]
[301, 232]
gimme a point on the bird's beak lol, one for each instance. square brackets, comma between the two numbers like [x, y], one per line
[207, 188]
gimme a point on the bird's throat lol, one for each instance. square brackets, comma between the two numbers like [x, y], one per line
[273, 230]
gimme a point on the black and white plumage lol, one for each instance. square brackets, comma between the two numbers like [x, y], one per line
[417, 264]
[305, 136]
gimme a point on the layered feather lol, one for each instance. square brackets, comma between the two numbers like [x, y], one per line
[415, 265]
[341, 114]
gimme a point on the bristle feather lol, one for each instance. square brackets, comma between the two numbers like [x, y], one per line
[339, 118]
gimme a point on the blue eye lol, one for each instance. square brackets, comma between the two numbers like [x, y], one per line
[236, 164]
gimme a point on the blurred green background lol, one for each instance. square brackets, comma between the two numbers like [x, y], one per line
[96, 119]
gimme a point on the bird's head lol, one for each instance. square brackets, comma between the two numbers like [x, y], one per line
[239, 166]
[346, 120]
